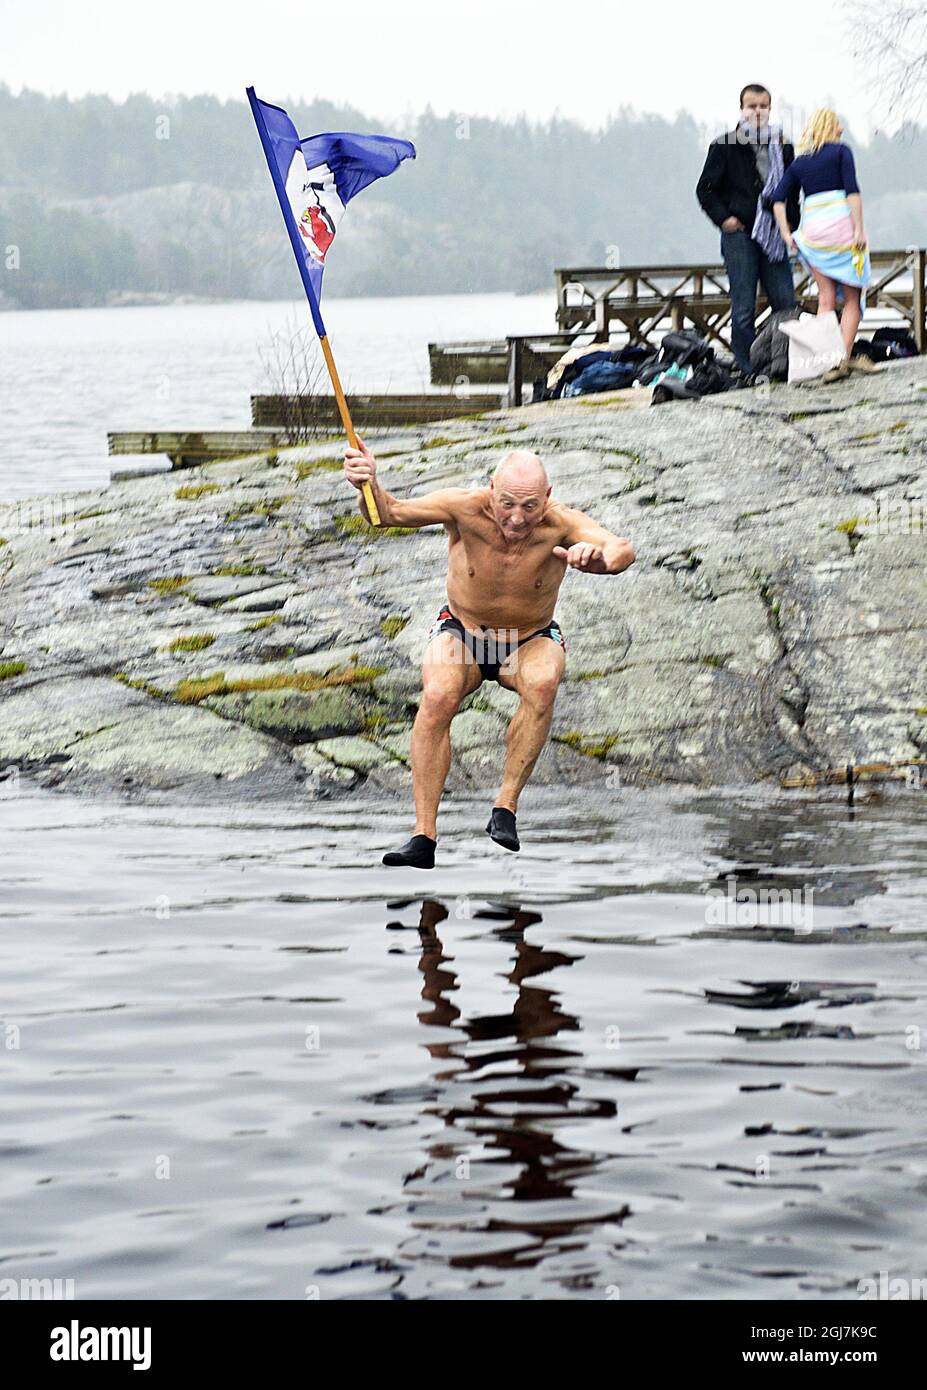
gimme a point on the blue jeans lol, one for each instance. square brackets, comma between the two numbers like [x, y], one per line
[746, 262]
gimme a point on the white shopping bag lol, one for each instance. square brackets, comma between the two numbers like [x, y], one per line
[815, 344]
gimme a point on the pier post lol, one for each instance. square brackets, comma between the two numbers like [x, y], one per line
[515, 373]
[918, 297]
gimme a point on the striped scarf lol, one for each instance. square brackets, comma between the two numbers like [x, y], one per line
[765, 231]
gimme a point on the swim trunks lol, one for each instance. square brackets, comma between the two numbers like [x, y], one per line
[490, 650]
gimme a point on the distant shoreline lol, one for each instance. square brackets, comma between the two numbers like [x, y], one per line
[146, 299]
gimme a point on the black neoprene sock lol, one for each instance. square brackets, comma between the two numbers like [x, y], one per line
[417, 852]
[501, 828]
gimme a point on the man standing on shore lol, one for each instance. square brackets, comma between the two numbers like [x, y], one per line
[741, 170]
[509, 546]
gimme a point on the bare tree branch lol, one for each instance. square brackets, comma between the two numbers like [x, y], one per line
[295, 370]
[890, 41]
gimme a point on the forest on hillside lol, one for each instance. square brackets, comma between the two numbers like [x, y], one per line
[101, 201]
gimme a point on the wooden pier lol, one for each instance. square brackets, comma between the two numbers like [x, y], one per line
[644, 302]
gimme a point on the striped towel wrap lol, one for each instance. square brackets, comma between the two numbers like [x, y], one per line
[825, 240]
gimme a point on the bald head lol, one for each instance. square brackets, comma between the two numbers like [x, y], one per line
[521, 468]
[519, 491]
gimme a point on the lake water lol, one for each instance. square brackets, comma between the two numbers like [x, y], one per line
[71, 375]
[243, 1060]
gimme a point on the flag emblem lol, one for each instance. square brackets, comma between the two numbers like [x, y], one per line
[316, 206]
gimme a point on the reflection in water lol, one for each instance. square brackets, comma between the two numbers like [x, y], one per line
[511, 1093]
[788, 994]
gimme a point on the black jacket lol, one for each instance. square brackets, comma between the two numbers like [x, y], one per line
[769, 352]
[730, 182]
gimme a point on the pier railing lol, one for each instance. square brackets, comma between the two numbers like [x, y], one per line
[640, 298]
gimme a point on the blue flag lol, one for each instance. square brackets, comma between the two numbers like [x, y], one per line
[315, 179]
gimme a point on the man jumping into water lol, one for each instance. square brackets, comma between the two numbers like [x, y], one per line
[509, 546]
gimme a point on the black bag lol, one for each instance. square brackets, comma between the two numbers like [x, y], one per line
[708, 378]
[686, 347]
[894, 342]
[769, 351]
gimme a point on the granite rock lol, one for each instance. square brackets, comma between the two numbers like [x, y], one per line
[774, 620]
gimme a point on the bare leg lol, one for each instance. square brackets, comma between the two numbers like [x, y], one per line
[827, 292]
[851, 315]
[535, 673]
[526, 737]
[431, 761]
[448, 674]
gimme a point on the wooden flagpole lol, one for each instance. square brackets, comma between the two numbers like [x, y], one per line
[346, 421]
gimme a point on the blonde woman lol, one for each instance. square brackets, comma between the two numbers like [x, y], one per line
[830, 238]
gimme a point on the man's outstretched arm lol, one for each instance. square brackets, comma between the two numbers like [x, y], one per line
[435, 507]
[588, 546]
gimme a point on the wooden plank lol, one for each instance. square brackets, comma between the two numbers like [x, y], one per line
[489, 364]
[481, 363]
[598, 272]
[207, 444]
[301, 411]
[704, 303]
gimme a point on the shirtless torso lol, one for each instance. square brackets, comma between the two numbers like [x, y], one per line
[498, 584]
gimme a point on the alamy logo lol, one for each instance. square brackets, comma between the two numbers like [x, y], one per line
[76, 1343]
[759, 907]
[884, 1287]
[35, 1290]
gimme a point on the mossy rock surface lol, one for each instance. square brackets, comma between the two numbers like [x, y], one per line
[358, 753]
[294, 716]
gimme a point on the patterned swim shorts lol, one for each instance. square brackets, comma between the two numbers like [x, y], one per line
[490, 650]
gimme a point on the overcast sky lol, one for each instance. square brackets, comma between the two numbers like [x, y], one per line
[469, 57]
